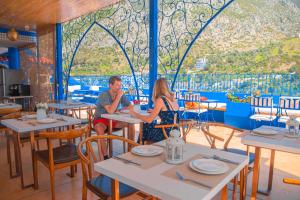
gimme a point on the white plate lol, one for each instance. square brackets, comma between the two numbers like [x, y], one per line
[209, 166]
[47, 121]
[291, 135]
[147, 150]
[265, 131]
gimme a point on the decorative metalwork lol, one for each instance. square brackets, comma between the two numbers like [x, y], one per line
[125, 22]
[180, 24]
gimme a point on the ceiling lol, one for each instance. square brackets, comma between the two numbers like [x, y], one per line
[40, 13]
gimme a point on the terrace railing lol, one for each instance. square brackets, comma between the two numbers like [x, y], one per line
[268, 84]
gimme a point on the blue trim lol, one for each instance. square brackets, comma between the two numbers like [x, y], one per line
[118, 42]
[13, 58]
[153, 50]
[195, 38]
[26, 33]
[59, 71]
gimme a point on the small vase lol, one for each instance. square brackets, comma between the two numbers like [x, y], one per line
[41, 114]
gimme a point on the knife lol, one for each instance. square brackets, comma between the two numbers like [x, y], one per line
[225, 160]
[126, 160]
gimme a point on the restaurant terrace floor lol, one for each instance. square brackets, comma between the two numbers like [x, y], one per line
[286, 165]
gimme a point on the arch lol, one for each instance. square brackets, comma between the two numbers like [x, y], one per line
[195, 38]
[116, 40]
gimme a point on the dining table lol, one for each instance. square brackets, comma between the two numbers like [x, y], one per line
[29, 124]
[153, 175]
[66, 106]
[124, 116]
[274, 139]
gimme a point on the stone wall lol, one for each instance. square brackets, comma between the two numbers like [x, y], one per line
[38, 64]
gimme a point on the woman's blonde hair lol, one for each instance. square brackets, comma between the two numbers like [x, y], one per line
[161, 89]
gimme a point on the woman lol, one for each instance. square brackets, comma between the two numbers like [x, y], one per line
[165, 106]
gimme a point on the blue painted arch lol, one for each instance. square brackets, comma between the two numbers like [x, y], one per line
[196, 37]
[116, 40]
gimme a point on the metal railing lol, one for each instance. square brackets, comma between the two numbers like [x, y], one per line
[268, 84]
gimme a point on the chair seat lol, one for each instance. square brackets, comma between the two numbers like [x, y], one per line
[62, 154]
[103, 184]
[242, 152]
[261, 117]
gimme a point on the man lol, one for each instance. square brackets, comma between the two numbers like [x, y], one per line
[109, 102]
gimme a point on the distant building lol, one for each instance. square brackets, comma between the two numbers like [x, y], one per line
[201, 64]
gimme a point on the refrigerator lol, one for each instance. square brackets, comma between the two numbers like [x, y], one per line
[9, 77]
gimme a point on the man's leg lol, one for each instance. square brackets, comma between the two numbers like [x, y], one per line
[100, 130]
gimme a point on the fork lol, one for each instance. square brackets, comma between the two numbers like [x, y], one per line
[183, 178]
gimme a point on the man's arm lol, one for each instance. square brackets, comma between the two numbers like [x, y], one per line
[125, 102]
[113, 107]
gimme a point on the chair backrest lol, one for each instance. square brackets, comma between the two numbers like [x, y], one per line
[15, 115]
[6, 111]
[91, 115]
[193, 97]
[266, 102]
[89, 151]
[263, 105]
[66, 135]
[212, 132]
[289, 104]
[185, 125]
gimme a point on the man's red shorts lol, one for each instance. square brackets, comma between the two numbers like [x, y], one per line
[105, 121]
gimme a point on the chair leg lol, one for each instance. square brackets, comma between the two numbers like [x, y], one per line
[52, 183]
[84, 190]
[9, 156]
[235, 181]
[35, 173]
[124, 134]
[38, 144]
[7, 148]
[72, 169]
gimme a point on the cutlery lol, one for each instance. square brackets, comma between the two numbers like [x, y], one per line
[225, 160]
[264, 136]
[183, 178]
[127, 161]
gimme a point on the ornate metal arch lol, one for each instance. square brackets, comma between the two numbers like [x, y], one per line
[180, 23]
[126, 22]
[192, 16]
[116, 40]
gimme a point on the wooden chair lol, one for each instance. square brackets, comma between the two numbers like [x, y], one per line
[288, 106]
[212, 136]
[58, 157]
[262, 110]
[291, 181]
[6, 111]
[23, 139]
[89, 152]
[185, 125]
[91, 115]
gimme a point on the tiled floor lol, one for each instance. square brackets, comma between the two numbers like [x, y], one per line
[286, 165]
